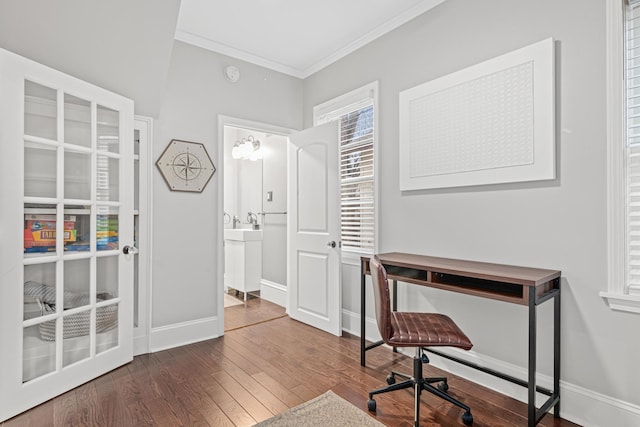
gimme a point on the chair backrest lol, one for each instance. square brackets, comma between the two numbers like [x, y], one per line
[382, 297]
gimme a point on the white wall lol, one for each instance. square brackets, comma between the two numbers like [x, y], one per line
[120, 45]
[185, 234]
[230, 170]
[242, 178]
[274, 249]
[249, 182]
[559, 224]
[246, 184]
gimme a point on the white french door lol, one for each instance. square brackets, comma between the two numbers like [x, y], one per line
[313, 234]
[66, 258]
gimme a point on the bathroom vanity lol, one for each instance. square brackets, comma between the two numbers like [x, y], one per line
[242, 259]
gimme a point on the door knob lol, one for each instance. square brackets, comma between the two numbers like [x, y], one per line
[129, 250]
[331, 244]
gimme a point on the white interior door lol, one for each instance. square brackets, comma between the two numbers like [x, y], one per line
[66, 223]
[313, 276]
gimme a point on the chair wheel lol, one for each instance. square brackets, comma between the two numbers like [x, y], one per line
[467, 418]
[371, 405]
[443, 387]
[391, 379]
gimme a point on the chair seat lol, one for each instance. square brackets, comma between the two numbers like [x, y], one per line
[426, 330]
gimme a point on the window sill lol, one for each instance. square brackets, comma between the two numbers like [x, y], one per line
[630, 303]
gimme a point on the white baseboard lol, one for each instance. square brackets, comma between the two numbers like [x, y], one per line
[140, 345]
[170, 336]
[165, 337]
[273, 292]
[578, 404]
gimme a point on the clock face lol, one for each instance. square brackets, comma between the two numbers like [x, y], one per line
[186, 166]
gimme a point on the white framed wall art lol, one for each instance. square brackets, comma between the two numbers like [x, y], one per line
[489, 123]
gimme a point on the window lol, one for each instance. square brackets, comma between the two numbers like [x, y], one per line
[356, 113]
[623, 142]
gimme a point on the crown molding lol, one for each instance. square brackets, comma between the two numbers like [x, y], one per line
[303, 73]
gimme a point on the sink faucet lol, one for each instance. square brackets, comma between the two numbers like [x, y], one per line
[236, 221]
[253, 220]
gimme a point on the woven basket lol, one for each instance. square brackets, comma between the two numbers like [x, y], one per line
[77, 324]
[74, 325]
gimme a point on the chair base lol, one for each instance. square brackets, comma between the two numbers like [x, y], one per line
[419, 383]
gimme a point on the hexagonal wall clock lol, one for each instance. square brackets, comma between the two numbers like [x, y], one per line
[186, 166]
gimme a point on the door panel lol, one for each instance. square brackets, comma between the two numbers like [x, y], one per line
[66, 294]
[312, 188]
[313, 276]
[313, 295]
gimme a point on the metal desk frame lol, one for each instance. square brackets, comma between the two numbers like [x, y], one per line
[519, 285]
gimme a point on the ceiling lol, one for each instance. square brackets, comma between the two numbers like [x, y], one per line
[296, 37]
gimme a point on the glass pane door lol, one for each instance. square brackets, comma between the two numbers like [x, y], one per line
[67, 293]
[71, 230]
[72, 211]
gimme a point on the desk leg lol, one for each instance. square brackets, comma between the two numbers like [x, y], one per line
[532, 357]
[363, 339]
[556, 353]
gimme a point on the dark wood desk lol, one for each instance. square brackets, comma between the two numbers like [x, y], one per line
[512, 284]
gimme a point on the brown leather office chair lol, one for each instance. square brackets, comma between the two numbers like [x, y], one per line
[403, 329]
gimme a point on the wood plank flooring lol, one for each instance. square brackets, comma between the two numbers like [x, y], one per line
[256, 371]
[254, 310]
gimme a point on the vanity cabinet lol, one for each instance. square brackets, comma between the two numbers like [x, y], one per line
[243, 260]
[66, 223]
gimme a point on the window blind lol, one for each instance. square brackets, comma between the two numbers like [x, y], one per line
[356, 114]
[357, 178]
[356, 174]
[632, 82]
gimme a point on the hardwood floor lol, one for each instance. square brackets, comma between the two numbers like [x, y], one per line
[256, 371]
[255, 310]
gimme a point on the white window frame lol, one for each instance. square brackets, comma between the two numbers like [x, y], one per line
[368, 92]
[617, 295]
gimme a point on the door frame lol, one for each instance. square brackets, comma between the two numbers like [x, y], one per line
[223, 121]
[145, 199]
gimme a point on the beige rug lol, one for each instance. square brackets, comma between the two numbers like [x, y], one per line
[230, 301]
[327, 410]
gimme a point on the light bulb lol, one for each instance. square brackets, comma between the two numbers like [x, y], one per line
[236, 152]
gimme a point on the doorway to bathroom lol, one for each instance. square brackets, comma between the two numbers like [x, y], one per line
[254, 221]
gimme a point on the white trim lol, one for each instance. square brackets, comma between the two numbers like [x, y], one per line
[273, 292]
[524, 150]
[590, 408]
[615, 136]
[388, 26]
[368, 91]
[145, 202]
[615, 296]
[303, 73]
[621, 302]
[211, 45]
[246, 124]
[179, 334]
[579, 405]
[351, 325]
